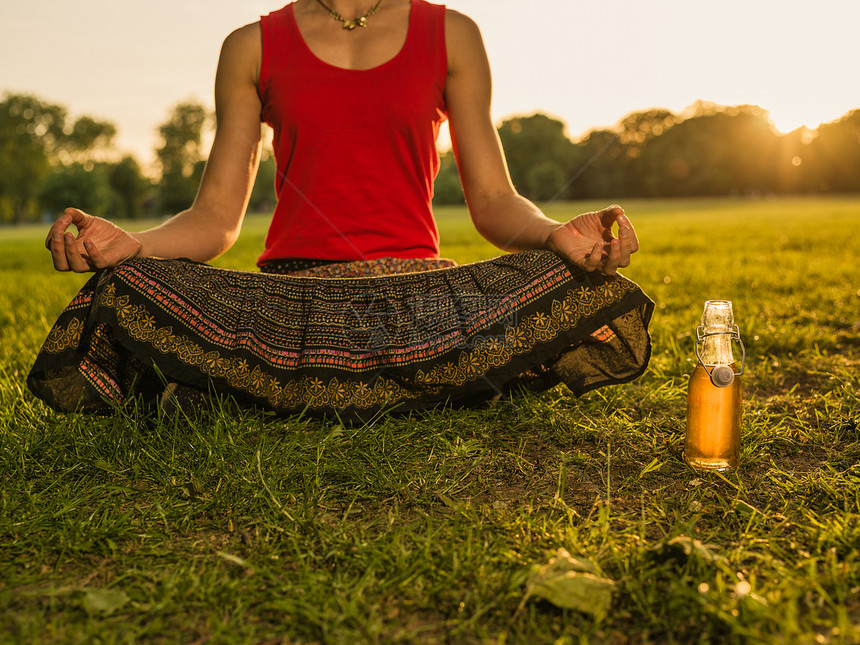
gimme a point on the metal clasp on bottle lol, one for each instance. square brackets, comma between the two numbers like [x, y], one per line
[721, 375]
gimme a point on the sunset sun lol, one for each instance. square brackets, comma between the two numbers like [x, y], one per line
[790, 118]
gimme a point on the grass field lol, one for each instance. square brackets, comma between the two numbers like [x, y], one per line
[227, 527]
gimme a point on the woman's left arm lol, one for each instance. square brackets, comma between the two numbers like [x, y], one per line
[499, 213]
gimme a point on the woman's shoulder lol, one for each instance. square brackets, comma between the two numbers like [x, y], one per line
[241, 53]
[460, 27]
[458, 20]
[462, 37]
[244, 43]
[245, 36]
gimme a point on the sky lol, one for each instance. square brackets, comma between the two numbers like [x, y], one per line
[586, 63]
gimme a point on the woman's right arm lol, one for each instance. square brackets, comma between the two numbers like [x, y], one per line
[211, 225]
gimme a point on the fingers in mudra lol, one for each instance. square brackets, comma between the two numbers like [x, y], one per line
[76, 257]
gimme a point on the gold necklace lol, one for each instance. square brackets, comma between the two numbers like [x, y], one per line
[349, 25]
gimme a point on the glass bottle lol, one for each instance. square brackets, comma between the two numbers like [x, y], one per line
[715, 393]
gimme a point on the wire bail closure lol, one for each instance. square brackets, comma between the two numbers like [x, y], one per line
[721, 375]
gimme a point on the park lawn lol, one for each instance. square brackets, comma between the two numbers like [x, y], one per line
[239, 527]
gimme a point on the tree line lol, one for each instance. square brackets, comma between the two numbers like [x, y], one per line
[48, 161]
[708, 150]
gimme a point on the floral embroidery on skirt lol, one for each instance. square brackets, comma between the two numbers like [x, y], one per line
[347, 339]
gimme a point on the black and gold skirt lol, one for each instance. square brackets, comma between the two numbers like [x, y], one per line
[345, 339]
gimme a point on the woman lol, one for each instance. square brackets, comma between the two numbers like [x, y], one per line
[355, 104]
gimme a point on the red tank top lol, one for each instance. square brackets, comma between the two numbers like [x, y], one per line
[355, 149]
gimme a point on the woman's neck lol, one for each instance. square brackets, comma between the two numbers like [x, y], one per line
[377, 42]
[349, 9]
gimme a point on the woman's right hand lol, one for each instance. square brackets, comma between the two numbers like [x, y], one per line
[100, 244]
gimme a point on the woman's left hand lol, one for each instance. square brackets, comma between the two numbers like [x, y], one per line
[587, 240]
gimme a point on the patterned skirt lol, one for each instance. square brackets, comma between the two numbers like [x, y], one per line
[345, 339]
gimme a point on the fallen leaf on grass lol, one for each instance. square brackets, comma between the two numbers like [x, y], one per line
[570, 583]
[103, 602]
[655, 464]
[745, 509]
[193, 488]
[682, 548]
[235, 559]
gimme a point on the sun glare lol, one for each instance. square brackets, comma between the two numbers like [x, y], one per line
[789, 120]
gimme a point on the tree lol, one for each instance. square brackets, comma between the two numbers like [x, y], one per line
[81, 185]
[545, 179]
[263, 196]
[540, 156]
[714, 152]
[447, 188]
[603, 167]
[86, 137]
[637, 130]
[129, 188]
[833, 159]
[639, 127]
[180, 156]
[34, 138]
[29, 129]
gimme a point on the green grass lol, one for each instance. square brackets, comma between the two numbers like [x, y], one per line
[229, 527]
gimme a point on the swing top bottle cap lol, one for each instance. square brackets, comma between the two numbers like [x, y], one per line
[722, 375]
[717, 316]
